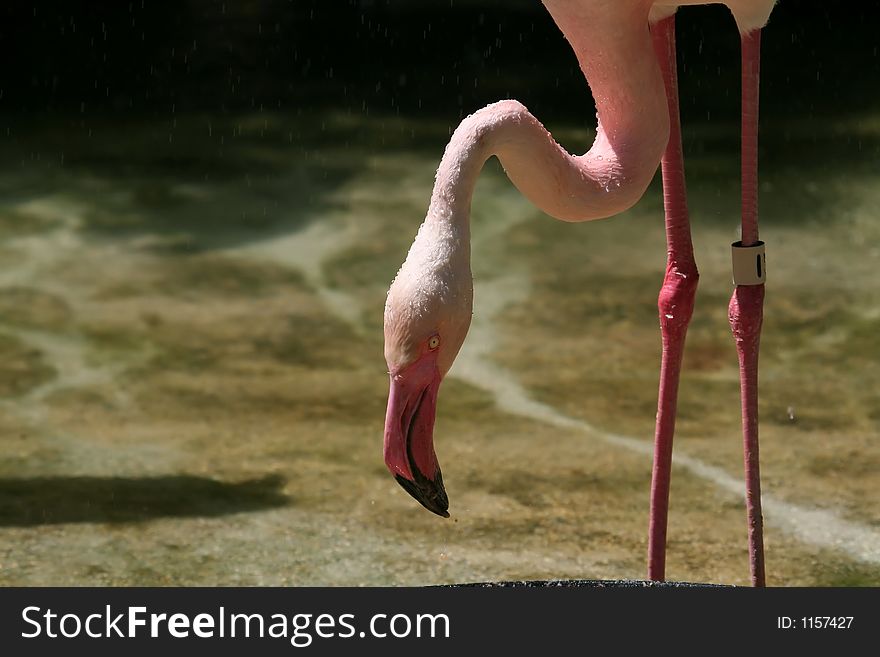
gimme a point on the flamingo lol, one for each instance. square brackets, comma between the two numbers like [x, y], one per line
[626, 50]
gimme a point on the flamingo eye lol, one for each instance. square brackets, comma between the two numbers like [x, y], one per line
[434, 342]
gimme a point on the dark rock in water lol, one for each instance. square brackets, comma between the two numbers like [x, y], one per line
[598, 583]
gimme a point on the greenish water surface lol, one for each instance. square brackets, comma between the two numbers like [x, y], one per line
[192, 387]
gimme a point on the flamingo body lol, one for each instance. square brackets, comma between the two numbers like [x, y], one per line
[631, 72]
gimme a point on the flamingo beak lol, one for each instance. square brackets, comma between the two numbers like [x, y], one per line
[409, 433]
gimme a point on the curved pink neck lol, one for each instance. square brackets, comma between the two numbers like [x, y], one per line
[614, 49]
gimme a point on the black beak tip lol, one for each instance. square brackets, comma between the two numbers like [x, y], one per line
[430, 494]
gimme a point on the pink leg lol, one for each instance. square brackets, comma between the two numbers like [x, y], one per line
[746, 306]
[675, 303]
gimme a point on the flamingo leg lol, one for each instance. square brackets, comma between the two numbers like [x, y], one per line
[675, 302]
[746, 306]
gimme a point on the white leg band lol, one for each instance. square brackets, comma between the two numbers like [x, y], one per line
[749, 266]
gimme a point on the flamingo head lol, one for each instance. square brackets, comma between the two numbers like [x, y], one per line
[427, 315]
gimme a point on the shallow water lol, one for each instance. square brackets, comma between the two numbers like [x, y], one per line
[193, 386]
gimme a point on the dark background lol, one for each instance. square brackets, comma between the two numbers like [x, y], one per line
[425, 57]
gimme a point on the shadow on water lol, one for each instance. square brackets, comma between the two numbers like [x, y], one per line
[196, 183]
[203, 182]
[30, 502]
